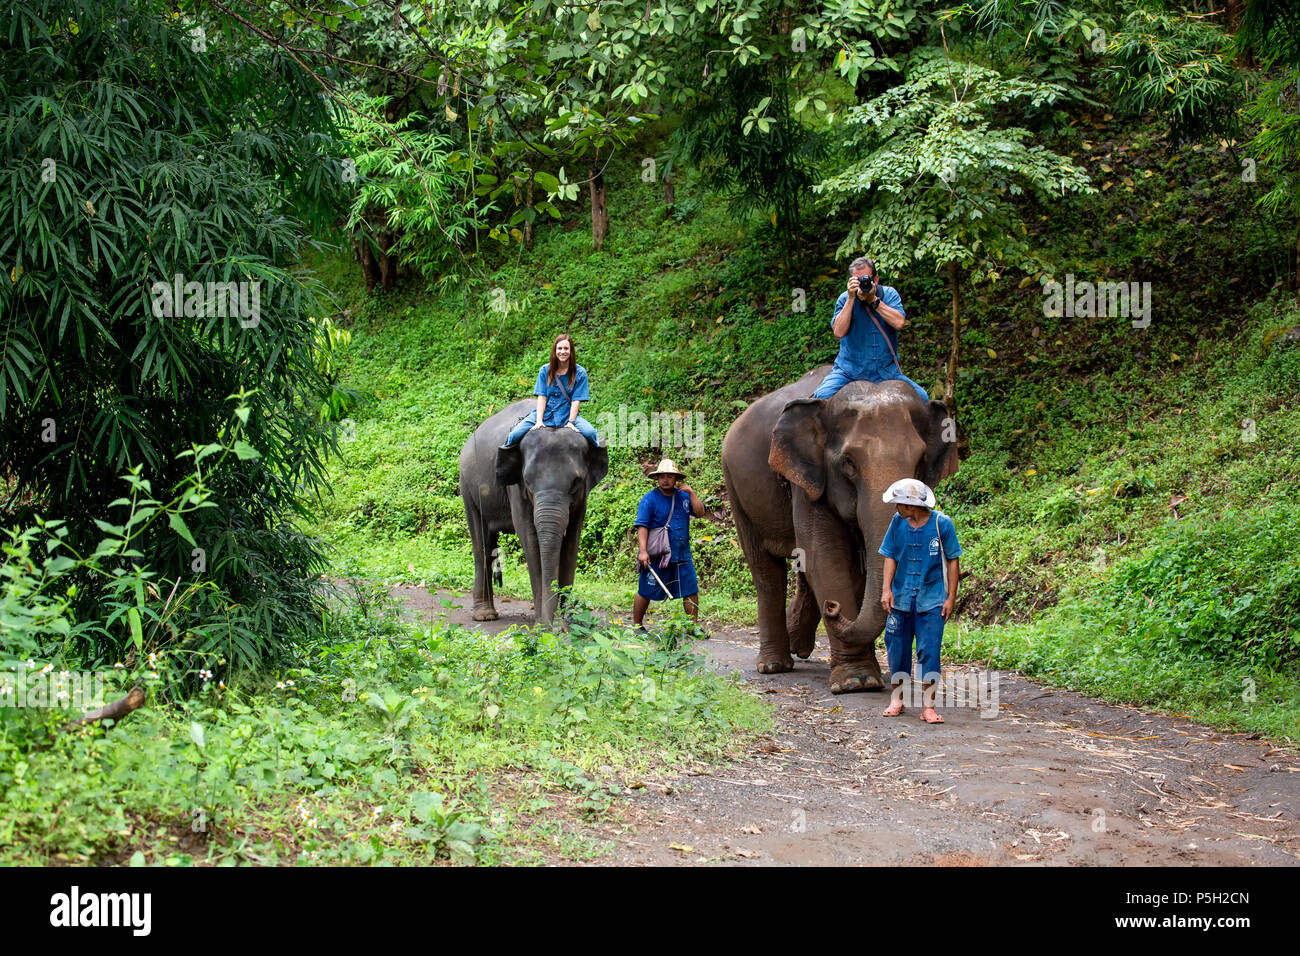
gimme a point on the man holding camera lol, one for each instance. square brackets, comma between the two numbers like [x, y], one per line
[867, 319]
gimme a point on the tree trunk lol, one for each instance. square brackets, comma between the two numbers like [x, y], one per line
[369, 270]
[387, 263]
[528, 205]
[669, 194]
[949, 394]
[599, 211]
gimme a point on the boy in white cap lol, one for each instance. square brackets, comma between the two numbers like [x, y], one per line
[921, 550]
[668, 505]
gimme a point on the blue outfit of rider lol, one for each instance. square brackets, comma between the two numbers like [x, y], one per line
[560, 394]
[864, 354]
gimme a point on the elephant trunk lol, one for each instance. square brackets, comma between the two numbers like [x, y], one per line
[551, 519]
[873, 519]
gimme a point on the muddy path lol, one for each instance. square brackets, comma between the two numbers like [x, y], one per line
[1045, 777]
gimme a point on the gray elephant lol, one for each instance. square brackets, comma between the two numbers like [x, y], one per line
[537, 489]
[805, 478]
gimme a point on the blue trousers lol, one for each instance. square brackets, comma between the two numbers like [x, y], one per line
[519, 431]
[927, 629]
[837, 379]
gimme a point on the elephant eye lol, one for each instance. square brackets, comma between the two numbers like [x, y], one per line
[847, 466]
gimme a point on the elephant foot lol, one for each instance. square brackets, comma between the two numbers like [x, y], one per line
[485, 614]
[777, 665]
[848, 680]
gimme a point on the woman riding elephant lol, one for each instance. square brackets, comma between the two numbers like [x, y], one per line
[561, 389]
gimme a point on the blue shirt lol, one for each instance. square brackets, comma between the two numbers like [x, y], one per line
[653, 510]
[560, 393]
[863, 352]
[918, 579]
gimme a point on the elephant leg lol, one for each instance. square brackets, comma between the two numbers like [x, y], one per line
[483, 544]
[834, 572]
[769, 574]
[858, 668]
[801, 620]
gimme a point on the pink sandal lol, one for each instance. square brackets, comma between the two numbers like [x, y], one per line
[894, 709]
[931, 716]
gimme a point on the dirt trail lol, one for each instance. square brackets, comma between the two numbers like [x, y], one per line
[1052, 777]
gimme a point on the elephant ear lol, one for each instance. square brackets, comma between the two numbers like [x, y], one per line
[510, 465]
[597, 465]
[798, 452]
[940, 435]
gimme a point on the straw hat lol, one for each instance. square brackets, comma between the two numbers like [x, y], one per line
[667, 467]
[909, 491]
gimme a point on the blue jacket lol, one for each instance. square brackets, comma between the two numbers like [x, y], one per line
[560, 393]
[918, 579]
[863, 352]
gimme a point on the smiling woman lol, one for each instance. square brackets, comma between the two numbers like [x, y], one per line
[561, 389]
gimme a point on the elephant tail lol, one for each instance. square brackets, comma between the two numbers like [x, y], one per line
[496, 574]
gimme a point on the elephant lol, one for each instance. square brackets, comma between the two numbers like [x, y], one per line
[537, 489]
[805, 478]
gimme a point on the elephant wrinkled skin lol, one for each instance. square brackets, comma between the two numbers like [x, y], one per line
[805, 478]
[536, 489]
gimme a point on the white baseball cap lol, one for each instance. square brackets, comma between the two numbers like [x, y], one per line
[909, 491]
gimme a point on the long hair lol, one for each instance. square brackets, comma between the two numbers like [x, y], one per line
[554, 368]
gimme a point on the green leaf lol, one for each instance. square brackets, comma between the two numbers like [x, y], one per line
[137, 632]
[178, 525]
[196, 735]
[246, 451]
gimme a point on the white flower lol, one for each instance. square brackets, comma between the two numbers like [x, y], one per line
[279, 685]
[118, 666]
[397, 826]
[374, 814]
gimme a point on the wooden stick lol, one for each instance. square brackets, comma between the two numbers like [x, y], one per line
[133, 700]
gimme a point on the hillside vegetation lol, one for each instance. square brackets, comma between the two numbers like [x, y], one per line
[1124, 498]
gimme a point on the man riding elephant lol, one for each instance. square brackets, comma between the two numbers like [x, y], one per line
[868, 317]
[805, 478]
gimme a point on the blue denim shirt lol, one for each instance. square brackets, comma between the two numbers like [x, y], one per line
[560, 393]
[918, 579]
[652, 512]
[863, 352]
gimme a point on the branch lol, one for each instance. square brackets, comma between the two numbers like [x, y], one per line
[133, 700]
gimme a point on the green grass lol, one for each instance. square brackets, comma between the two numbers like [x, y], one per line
[392, 744]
